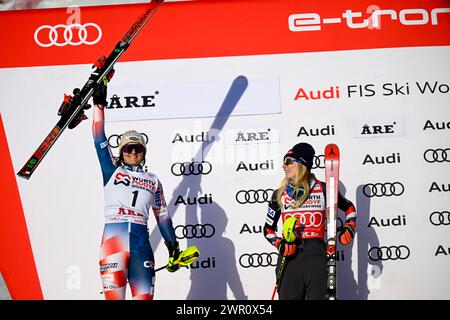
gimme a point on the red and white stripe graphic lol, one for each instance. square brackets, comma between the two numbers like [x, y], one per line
[18, 266]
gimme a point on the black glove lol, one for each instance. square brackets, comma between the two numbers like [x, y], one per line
[100, 92]
[174, 253]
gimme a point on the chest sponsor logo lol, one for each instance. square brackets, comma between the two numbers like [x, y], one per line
[314, 201]
[314, 219]
[121, 178]
[135, 182]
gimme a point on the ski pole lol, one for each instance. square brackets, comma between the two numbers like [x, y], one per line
[291, 232]
[279, 274]
[186, 257]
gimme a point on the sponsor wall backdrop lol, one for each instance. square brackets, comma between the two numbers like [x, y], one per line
[376, 83]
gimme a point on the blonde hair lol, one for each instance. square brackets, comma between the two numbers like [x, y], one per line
[302, 180]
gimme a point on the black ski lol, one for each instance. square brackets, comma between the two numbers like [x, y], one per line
[73, 106]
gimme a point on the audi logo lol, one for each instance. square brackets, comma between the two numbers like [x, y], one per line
[53, 38]
[389, 253]
[319, 162]
[191, 168]
[386, 189]
[440, 218]
[437, 155]
[255, 260]
[191, 231]
[254, 196]
[114, 140]
[308, 219]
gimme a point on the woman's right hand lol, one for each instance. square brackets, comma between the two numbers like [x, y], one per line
[284, 248]
[101, 91]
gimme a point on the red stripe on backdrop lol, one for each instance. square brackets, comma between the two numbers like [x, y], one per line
[18, 267]
[214, 28]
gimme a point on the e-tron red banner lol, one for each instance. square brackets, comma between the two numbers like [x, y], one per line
[215, 28]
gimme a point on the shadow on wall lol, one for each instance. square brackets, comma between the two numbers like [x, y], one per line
[369, 271]
[216, 267]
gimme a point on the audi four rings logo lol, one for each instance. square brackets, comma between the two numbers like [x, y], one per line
[253, 196]
[256, 260]
[386, 189]
[389, 253]
[114, 140]
[190, 231]
[191, 168]
[308, 219]
[319, 162]
[440, 218]
[437, 155]
[51, 37]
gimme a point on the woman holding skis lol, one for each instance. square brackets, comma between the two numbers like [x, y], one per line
[130, 192]
[302, 195]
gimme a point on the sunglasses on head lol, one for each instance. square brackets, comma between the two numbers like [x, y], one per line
[128, 148]
[288, 161]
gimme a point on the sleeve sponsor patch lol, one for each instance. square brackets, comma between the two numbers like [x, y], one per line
[158, 199]
[269, 221]
[271, 212]
[104, 144]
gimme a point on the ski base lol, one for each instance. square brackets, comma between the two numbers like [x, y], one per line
[31, 165]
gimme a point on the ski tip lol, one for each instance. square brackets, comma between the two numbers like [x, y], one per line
[332, 150]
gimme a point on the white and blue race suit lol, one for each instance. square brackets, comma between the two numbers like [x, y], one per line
[129, 191]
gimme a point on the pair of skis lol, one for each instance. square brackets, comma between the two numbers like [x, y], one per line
[332, 186]
[73, 106]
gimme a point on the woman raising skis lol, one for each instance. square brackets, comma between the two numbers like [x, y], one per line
[126, 254]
